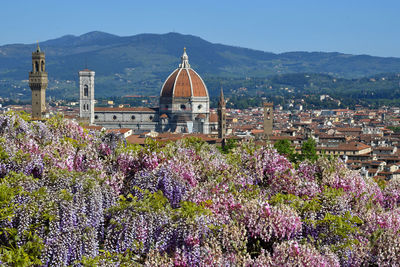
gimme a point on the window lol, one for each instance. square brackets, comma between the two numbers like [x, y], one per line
[36, 66]
[199, 106]
[42, 66]
[151, 117]
[183, 107]
[86, 90]
[133, 117]
[96, 117]
[114, 117]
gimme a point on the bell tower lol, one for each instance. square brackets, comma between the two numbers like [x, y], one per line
[268, 119]
[38, 81]
[221, 116]
[86, 95]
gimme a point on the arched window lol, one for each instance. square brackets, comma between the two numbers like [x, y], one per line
[42, 66]
[85, 90]
[36, 66]
[87, 106]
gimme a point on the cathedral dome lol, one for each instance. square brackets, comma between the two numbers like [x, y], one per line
[184, 82]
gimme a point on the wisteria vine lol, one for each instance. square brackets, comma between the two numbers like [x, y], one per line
[74, 197]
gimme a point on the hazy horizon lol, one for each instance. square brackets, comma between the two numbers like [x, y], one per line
[350, 27]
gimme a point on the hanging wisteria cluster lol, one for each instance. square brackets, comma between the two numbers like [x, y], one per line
[73, 197]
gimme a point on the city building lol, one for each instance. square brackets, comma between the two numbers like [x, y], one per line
[184, 105]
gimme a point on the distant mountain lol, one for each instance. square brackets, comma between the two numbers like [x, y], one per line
[140, 63]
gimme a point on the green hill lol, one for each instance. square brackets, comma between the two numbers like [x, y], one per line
[139, 64]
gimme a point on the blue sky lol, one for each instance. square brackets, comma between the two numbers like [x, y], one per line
[352, 26]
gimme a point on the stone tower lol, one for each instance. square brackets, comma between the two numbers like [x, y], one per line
[221, 116]
[268, 118]
[38, 83]
[86, 95]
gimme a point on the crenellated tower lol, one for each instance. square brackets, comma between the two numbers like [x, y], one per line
[38, 81]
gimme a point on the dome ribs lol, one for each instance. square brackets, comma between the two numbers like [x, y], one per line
[199, 89]
[182, 85]
[168, 87]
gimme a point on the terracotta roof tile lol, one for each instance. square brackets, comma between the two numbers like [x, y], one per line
[135, 139]
[213, 117]
[169, 85]
[356, 146]
[184, 82]
[348, 129]
[182, 85]
[257, 131]
[199, 88]
[120, 130]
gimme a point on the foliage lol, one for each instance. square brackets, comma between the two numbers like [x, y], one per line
[73, 197]
[308, 150]
[395, 129]
[285, 148]
[230, 144]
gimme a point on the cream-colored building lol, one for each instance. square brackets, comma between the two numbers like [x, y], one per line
[184, 105]
[355, 148]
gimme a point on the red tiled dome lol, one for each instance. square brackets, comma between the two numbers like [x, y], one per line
[184, 82]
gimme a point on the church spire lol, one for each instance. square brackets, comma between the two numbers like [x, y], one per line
[38, 48]
[222, 118]
[184, 60]
[221, 98]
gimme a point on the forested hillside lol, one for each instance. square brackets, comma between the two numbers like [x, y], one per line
[139, 64]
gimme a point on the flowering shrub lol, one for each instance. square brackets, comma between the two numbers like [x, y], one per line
[72, 197]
